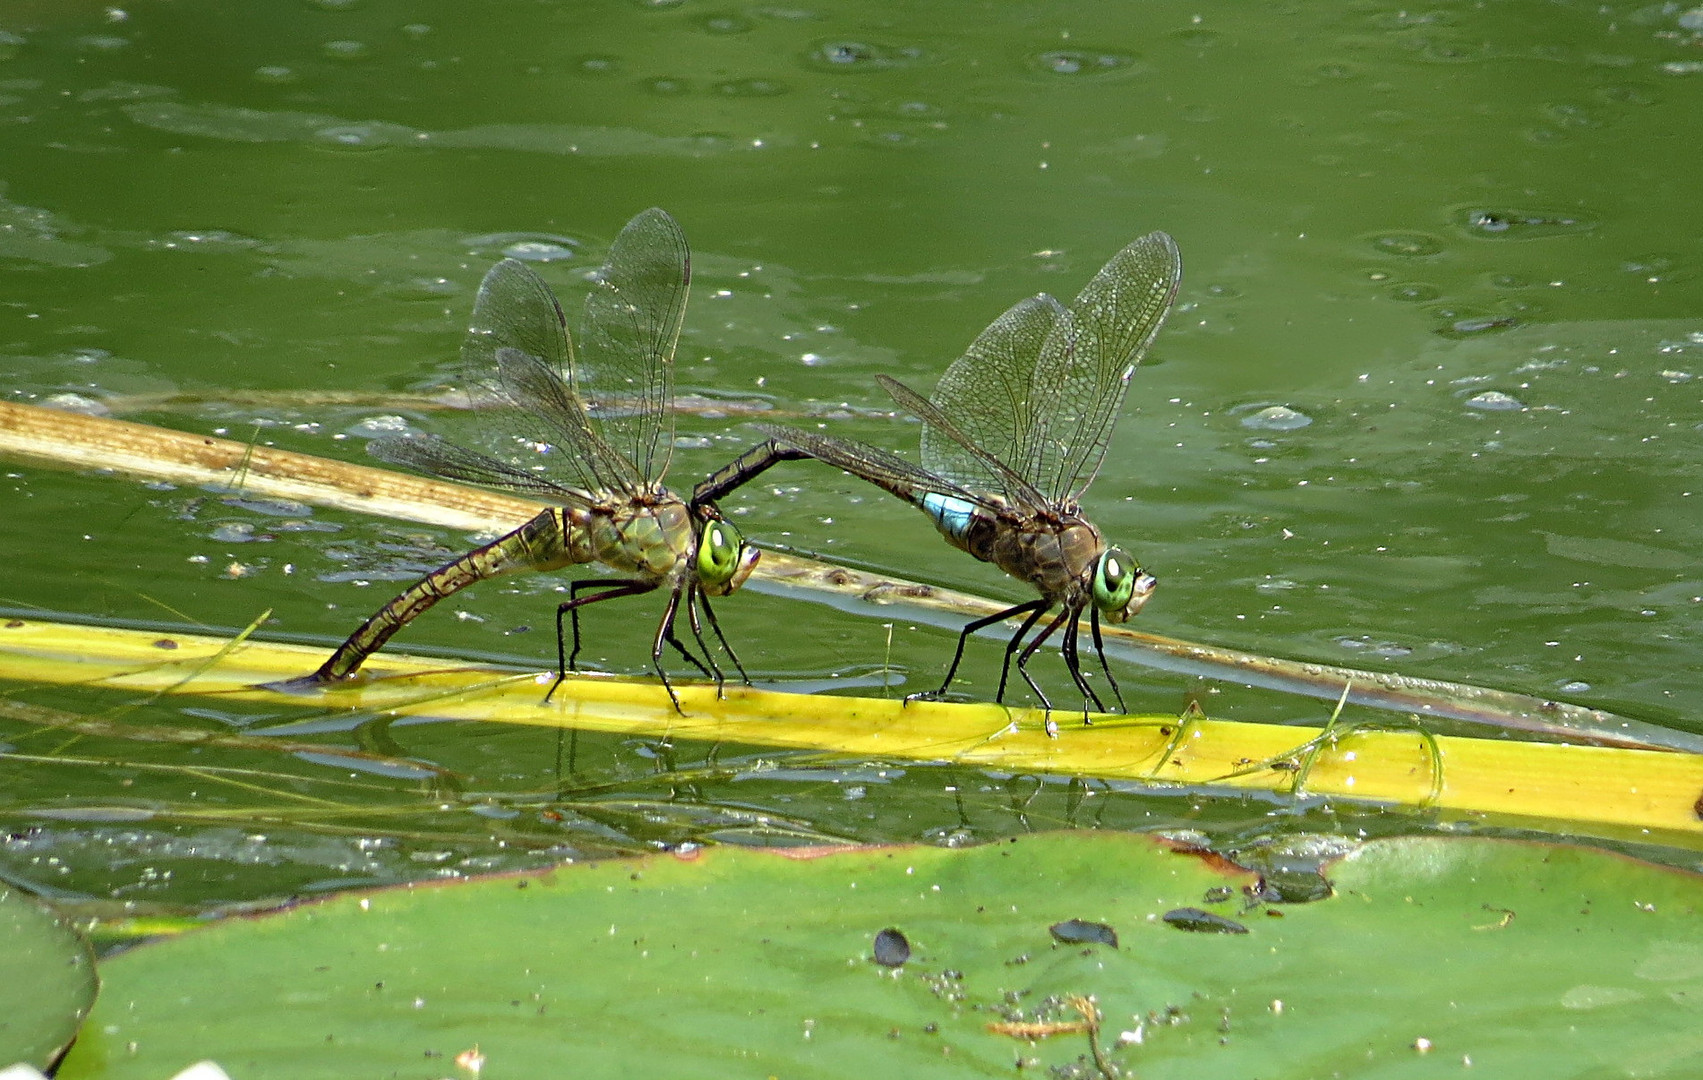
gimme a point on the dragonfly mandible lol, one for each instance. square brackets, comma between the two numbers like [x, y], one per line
[601, 472]
[1015, 432]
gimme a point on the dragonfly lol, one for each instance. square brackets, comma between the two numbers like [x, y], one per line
[600, 471]
[1013, 435]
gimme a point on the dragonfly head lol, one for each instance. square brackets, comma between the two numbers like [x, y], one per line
[1120, 586]
[725, 560]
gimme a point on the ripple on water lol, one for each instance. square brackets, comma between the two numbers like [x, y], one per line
[853, 57]
[344, 50]
[1507, 223]
[1092, 63]
[355, 136]
[525, 246]
[274, 75]
[1494, 401]
[1276, 418]
[724, 23]
[10, 44]
[1407, 245]
[751, 88]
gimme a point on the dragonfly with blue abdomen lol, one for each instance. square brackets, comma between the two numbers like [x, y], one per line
[1015, 432]
[602, 472]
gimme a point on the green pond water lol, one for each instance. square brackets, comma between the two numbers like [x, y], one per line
[1460, 244]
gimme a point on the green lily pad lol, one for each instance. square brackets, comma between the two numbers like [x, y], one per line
[1522, 959]
[48, 984]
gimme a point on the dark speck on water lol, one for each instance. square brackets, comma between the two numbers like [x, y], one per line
[1203, 922]
[1081, 932]
[891, 948]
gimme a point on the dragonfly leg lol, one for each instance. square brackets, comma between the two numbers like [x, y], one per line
[570, 610]
[1016, 640]
[1100, 647]
[709, 614]
[964, 635]
[692, 594]
[665, 633]
[1074, 663]
[1029, 650]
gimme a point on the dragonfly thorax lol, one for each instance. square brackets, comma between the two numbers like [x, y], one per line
[652, 538]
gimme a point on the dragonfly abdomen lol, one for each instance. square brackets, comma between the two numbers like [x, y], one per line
[951, 514]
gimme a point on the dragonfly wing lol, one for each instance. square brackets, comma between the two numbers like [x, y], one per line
[632, 323]
[430, 454]
[1084, 367]
[1018, 491]
[903, 478]
[986, 395]
[516, 348]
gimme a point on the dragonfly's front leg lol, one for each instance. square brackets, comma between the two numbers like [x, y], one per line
[1074, 663]
[665, 633]
[709, 614]
[1100, 648]
[621, 587]
[692, 594]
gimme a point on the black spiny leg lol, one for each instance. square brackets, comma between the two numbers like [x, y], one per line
[1100, 647]
[1011, 647]
[1040, 639]
[1074, 663]
[570, 609]
[665, 633]
[692, 593]
[715, 627]
[963, 636]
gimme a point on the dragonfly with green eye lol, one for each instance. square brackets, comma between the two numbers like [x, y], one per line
[602, 472]
[1014, 434]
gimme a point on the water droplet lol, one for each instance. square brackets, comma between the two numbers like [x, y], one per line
[274, 74]
[668, 87]
[1574, 686]
[1277, 418]
[1409, 245]
[599, 65]
[344, 50]
[1494, 401]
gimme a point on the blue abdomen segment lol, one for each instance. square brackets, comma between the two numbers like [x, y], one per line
[951, 514]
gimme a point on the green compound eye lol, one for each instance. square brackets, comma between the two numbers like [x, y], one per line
[720, 550]
[1114, 580]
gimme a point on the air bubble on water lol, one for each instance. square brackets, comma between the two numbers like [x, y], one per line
[1494, 401]
[668, 87]
[1277, 418]
[1574, 686]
